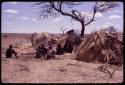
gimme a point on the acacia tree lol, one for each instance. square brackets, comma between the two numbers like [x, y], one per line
[55, 8]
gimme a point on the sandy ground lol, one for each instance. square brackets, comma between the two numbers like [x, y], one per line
[63, 69]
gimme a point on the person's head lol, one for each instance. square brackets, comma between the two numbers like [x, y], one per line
[42, 45]
[10, 46]
[39, 47]
[59, 45]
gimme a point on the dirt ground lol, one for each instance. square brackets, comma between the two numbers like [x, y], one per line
[62, 69]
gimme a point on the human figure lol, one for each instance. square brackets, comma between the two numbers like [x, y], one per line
[10, 51]
[50, 52]
[59, 50]
[41, 51]
[38, 52]
[68, 47]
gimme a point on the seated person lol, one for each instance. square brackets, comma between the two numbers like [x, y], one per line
[10, 51]
[50, 53]
[59, 50]
[38, 52]
[41, 51]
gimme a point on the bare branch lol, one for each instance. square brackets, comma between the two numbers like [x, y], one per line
[72, 4]
[103, 7]
[106, 6]
[77, 14]
[94, 12]
[64, 13]
[63, 30]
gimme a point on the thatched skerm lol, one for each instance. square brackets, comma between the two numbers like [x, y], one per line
[69, 41]
[42, 38]
[101, 46]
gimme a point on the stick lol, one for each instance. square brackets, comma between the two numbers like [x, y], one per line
[28, 53]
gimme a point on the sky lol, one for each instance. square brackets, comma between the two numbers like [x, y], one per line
[22, 17]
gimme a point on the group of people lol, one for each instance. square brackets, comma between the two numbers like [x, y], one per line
[45, 52]
[40, 52]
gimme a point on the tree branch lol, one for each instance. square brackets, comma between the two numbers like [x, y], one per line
[64, 13]
[94, 12]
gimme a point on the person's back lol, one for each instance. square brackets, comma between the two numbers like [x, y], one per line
[59, 50]
[50, 53]
[44, 49]
[41, 51]
[49, 50]
[38, 52]
[10, 51]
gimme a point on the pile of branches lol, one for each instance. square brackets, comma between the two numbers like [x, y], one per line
[101, 46]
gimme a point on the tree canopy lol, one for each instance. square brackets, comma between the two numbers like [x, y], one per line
[56, 8]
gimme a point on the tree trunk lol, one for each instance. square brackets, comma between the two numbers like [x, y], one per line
[83, 29]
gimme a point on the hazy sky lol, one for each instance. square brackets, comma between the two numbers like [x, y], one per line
[22, 17]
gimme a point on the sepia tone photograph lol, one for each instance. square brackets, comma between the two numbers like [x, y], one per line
[62, 42]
